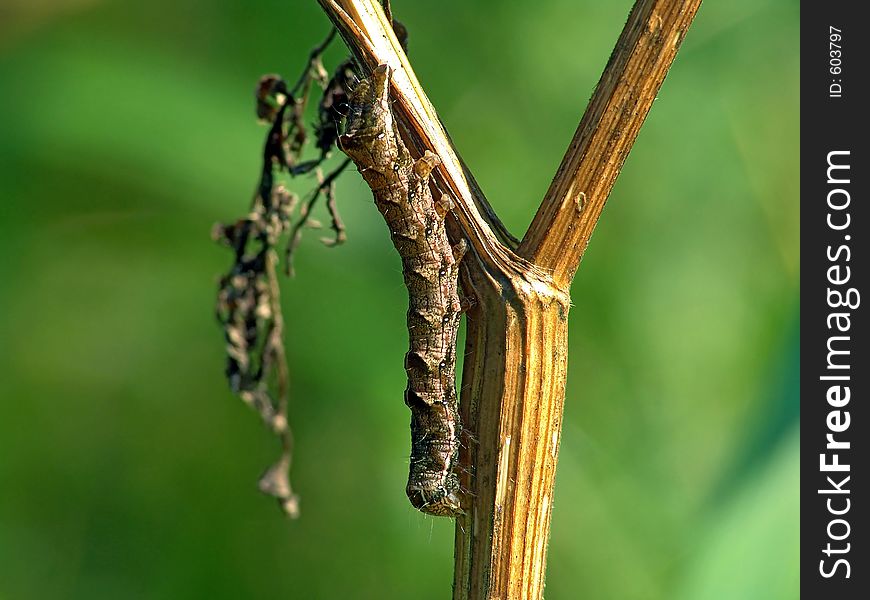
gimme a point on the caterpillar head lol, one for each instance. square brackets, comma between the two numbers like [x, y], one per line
[438, 498]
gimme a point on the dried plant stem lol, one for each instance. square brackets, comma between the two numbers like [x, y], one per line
[560, 231]
[516, 351]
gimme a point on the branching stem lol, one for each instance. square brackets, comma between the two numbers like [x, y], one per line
[513, 385]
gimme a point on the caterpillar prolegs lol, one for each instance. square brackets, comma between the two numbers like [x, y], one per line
[430, 266]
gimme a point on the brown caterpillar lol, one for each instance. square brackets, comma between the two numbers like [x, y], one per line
[430, 267]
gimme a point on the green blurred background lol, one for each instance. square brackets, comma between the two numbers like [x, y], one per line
[128, 470]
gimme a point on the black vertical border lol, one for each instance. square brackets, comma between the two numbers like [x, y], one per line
[833, 124]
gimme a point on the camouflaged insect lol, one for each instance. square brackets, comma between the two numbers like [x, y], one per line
[430, 266]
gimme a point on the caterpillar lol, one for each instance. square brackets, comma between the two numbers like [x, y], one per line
[430, 267]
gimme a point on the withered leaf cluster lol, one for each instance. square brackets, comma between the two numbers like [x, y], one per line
[245, 304]
[248, 309]
[248, 302]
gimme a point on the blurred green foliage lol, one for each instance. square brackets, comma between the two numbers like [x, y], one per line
[127, 468]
